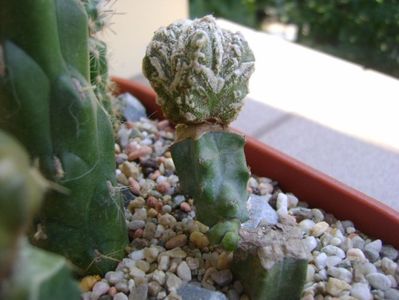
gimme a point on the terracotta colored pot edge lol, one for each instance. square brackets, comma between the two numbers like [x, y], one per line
[319, 190]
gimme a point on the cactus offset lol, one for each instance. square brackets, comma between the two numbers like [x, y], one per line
[48, 104]
[22, 189]
[200, 73]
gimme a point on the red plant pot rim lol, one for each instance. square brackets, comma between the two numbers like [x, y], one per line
[317, 189]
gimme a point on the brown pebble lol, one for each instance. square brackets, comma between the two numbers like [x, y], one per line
[140, 152]
[87, 283]
[138, 233]
[130, 124]
[152, 201]
[155, 175]
[134, 186]
[199, 239]
[177, 241]
[152, 213]
[163, 187]
[185, 207]
[112, 291]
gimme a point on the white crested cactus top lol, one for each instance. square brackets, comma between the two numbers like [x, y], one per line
[199, 71]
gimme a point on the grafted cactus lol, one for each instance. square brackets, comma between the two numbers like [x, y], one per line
[47, 103]
[200, 73]
[22, 189]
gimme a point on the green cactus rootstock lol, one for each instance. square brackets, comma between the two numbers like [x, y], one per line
[48, 104]
[283, 281]
[212, 168]
[199, 71]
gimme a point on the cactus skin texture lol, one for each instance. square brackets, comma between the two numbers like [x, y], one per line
[199, 71]
[47, 103]
[22, 189]
[283, 281]
[213, 169]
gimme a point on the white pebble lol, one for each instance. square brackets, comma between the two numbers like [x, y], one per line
[114, 277]
[310, 273]
[333, 260]
[388, 266]
[374, 246]
[336, 287]
[183, 271]
[173, 282]
[319, 228]
[163, 263]
[310, 242]
[292, 200]
[137, 255]
[282, 204]
[136, 273]
[355, 254]
[100, 288]
[321, 260]
[120, 296]
[379, 281]
[306, 225]
[159, 276]
[361, 291]
[340, 273]
[333, 250]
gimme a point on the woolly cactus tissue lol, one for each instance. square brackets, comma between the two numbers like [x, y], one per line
[200, 73]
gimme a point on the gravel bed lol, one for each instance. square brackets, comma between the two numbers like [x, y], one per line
[169, 247]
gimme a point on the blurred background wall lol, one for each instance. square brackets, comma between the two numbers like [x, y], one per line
[132, 27]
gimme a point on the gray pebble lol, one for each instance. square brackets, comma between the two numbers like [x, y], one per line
[374, 246]
[183, 271]
[139, 292]
[389, 251]
[391, 294]
[361, 291]
[136, 224]
[333, 250]
[340, 273]
[358, 242]
[100, 288]
[332, 261]
[379, 281]
[388, 266]
[172, 281]
[114, 277]
[192, 292]
[371, 254]
[223, 277]
[120, 296]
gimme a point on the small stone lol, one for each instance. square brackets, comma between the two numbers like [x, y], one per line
[310, 273]
[318, 215]
[149, 231]
[192, 292]
[134, 186]
[259, 210]
[365, 267]
[375, 245]
[233, 295]
[282, 204]
[152, 213]
[163, 187]
[361, 291]
[223, 277]
[159, 276]
[199, 239]
[306, 225]
[136, 273]
[172, 281]
[114, 277]
[355, 254]
[310, 242]
[389, 251]
[193, 263]
[321, 260]
[132, 109]
[178, 241]
[391, 294]
[340, 273]
[379, 281]
[140, 214]
[292, 200]
[388, 266]
[120, 296]
[143, 265]
[137, 255]
[167, 220]
[332, 261]
[87, 283]
[183, 271]
[163, 262]
[336, 287]
[333, 250]
[358, 242]
[154, 288]
[130, 169]
[139, 202]
[150, 254]
[166, 208]
[100, 288]
[224, 260]
[112, 291]
[139, 292]
[319, 229]
[136, 224]
[122, 287]
[185, 207]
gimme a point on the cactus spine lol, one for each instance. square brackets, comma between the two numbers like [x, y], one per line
[22, 189]
[47, 103]
[200, 73]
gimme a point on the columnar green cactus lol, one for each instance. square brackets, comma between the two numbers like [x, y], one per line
[97, 20]
[47, 103]
[22, 189]
[200, 73]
